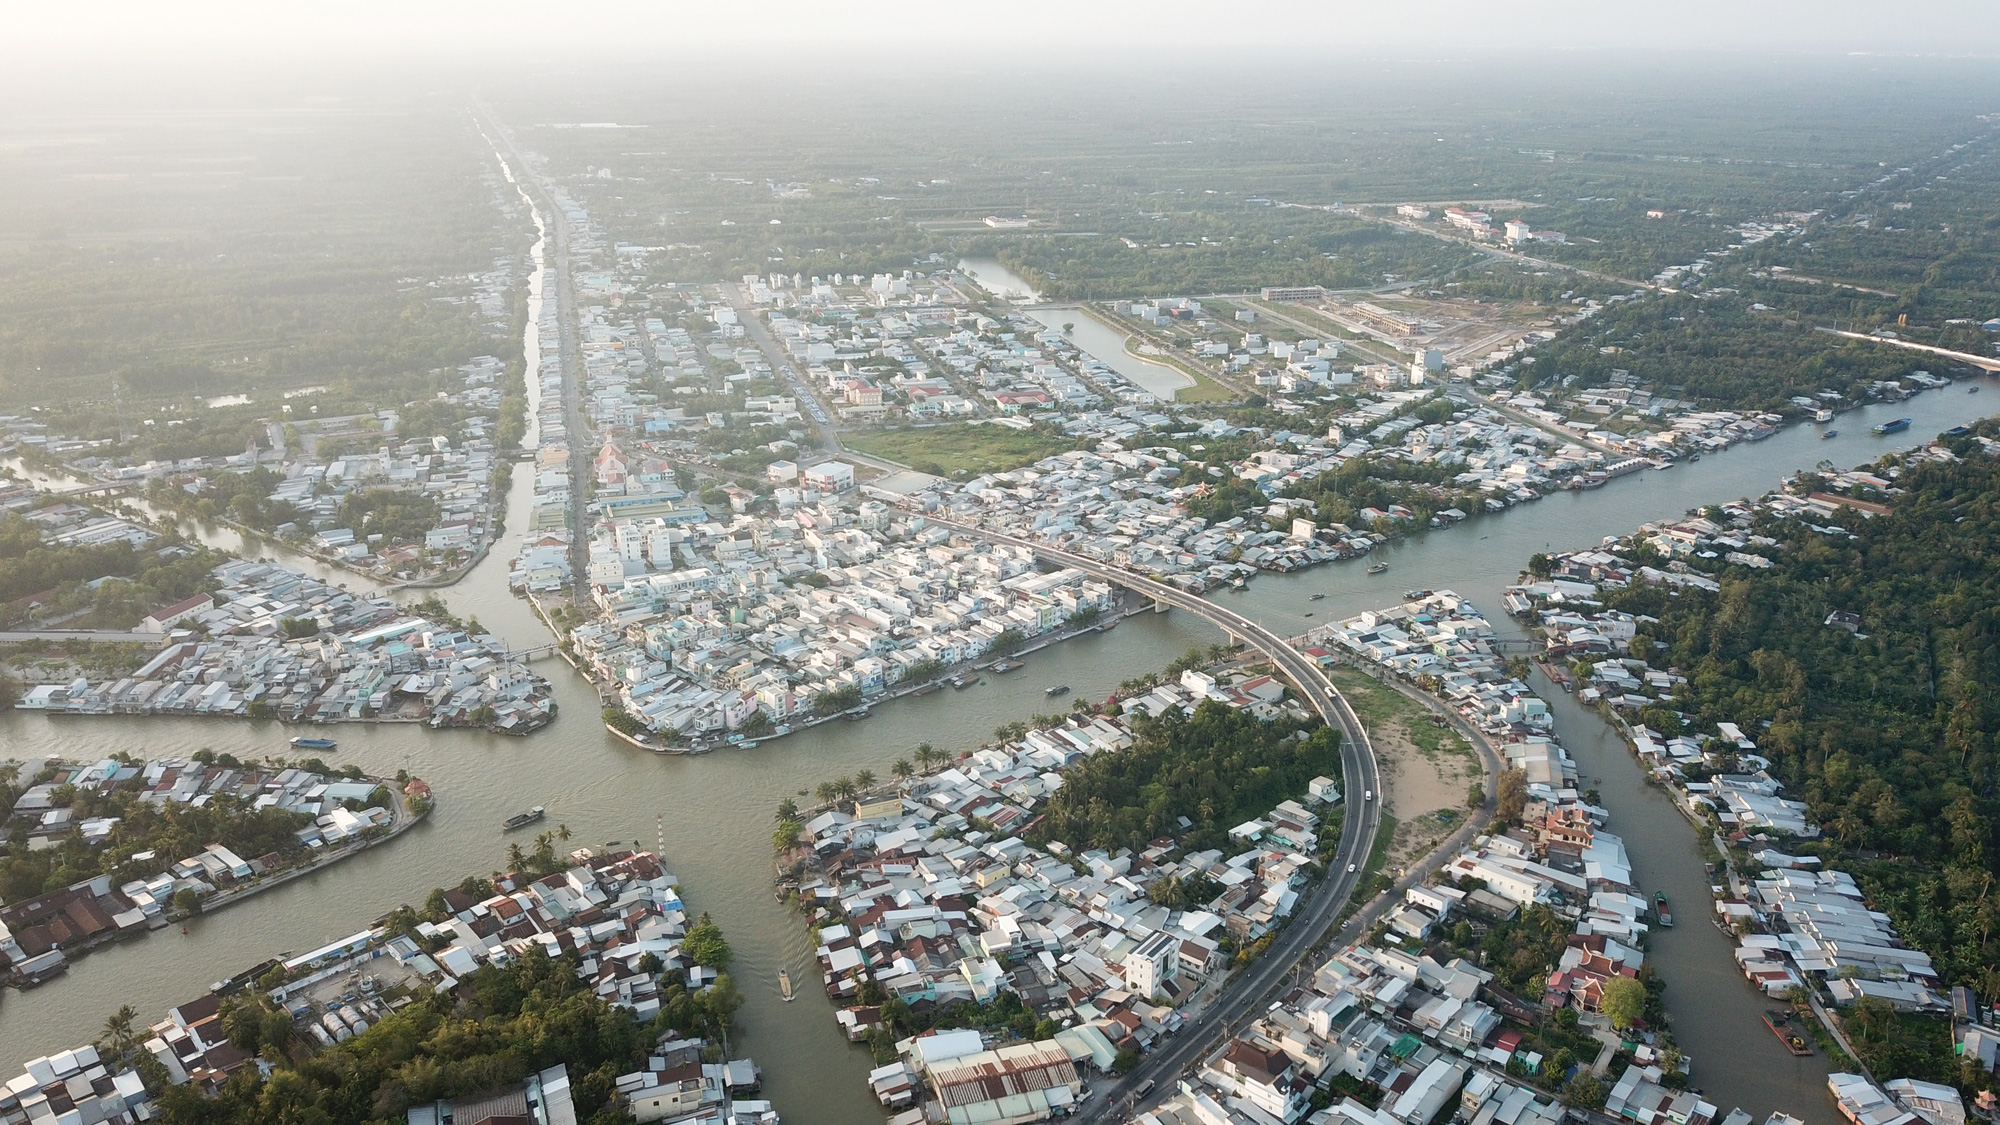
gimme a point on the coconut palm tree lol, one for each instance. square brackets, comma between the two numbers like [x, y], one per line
[844, 787]
[562, 832]
[826, 792]
[118, 1035]
[788, 809]
[902, 769]
[864, 780]
[787, 836]
[516, 858]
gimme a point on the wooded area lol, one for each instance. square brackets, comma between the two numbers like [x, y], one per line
[1218, 767]
[1886, 733]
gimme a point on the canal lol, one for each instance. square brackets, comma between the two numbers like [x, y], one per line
[717, 809]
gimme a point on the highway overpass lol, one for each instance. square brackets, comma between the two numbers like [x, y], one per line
[1322, 904]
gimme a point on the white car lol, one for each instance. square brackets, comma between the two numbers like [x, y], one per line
[1368, 794]
[1350, 869]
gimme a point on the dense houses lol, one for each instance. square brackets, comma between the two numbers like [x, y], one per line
[703, 625]
[272, 642]
[1378, 1035]
[930, 895]
[39, 935]
[333, 469]
[1559, 858]
[619, 914]
[1796, 924]
[1128, 503]
[1903, 1101]
[1384, 1034]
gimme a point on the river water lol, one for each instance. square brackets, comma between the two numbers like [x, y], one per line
[717, 809]
[998, 280]
[1093, 336]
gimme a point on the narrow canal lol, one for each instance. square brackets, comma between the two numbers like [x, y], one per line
[717, 809]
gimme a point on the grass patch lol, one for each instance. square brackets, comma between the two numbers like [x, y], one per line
[1205, 388]
[965, 449]
[1378, 704]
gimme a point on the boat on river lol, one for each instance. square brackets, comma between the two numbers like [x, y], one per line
[1314, 597]
[1829, 434]
[314, 744]
[1378, 568]
[1895, 427]
[522, 820]
[1059, 689]
[1780, 1024]
[964, 680]
[928, 688]
[1660, 910]
[1823, 415]
[858, 714]
[1006, 666]
[785, 985]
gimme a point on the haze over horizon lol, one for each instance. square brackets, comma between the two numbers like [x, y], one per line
[207, 32]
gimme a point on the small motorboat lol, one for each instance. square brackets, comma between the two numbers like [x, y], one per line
[1059, 689]
[785, 985]
[522, 820]
[1972, 390]
[1378, 568]
[1829, 434]
[1314, 597]
[314, 744]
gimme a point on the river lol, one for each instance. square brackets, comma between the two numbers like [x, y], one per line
[717, 808]
[998, 280]
[1093, 336]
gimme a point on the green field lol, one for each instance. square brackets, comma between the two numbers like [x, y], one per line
[961, 450]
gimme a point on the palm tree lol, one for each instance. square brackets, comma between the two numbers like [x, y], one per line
[902, 769]
[516, 858]
[562, 832]
[926, 756]
[843, 786]
[788, 809]
[118, 1036]
[864, 780]
[787, 836]
[826, 792]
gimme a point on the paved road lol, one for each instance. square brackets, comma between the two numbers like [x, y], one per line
[1322, 903]
[1984, 363]
[753, 324]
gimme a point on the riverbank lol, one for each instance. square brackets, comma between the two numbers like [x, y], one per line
[141, 906]
[719, 806]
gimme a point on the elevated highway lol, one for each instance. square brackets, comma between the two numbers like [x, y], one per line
[1322, 904]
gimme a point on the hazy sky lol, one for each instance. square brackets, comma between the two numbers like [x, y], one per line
[645, 33]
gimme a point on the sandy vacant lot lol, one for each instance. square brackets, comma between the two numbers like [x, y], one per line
[1426, 769]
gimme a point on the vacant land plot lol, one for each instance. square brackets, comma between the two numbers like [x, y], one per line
[950, 451]
[1425, 767]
